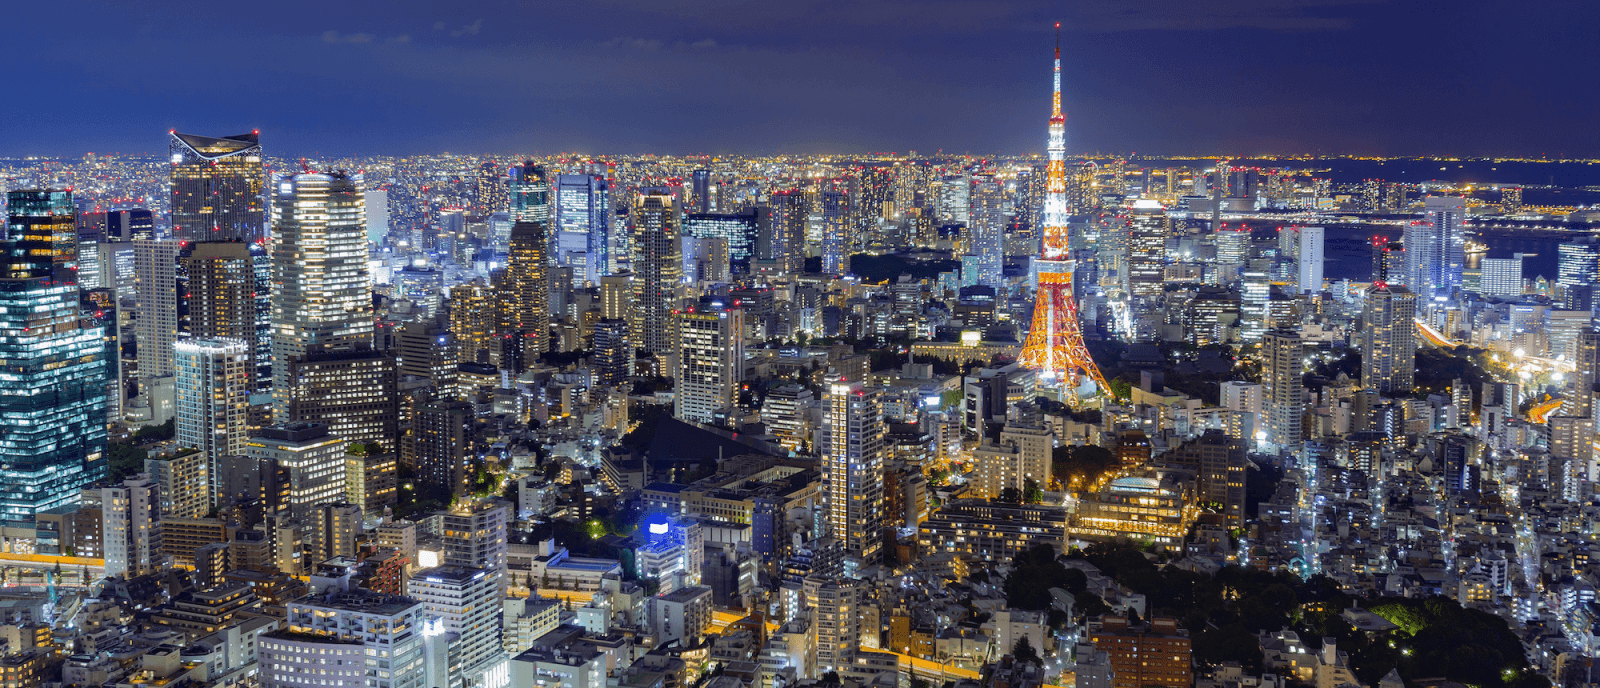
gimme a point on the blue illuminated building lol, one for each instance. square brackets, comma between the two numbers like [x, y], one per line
[53, 382]
[583, 227]
[740, 230]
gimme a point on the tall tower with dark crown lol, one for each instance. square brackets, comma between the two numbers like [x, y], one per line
[1055, 342]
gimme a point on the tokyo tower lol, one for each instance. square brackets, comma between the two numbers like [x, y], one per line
[1055, 342]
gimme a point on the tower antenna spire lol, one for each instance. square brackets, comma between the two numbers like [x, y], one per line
[1054, 345]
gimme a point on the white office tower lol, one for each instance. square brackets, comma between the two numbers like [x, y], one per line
[1243, 401]
[1284, 397]
[710, 361]
[131, 530]
[348, 639]
[155, 265]
[852, 470]
[377, 209]
[461, 607]
[1311, 259]
[213, 400]
[314, 459]
[322, 296]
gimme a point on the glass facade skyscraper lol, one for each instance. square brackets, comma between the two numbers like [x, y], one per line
[52, 387]
[323, 296]
[739, 230]
[216, 187]
[583, 227]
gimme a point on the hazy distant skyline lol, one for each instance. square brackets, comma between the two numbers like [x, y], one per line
[1239, 77]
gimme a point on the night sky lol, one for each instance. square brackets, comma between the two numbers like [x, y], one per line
[1241, 77]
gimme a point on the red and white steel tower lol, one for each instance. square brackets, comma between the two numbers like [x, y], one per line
[1055, 342]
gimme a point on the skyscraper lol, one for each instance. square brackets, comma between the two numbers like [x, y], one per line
[1284, 392]
[322, 300]
[658, 268]
[213, 400]
[221, 294]
[1388, 339]
[784, 241]
[524, 292]
[710, 360]
[613, 351]
[1310, 259]
[53, 386]
[1148, 228]
[464, 602]
[1448, 215]
[1578, 397]
[852, 469]
[836, 231]
[987, 229]
[583, 226]
[155, 271]
[216, 187]
[739, 231]
[1435, 249]
[1578, 266]
[352, 392]
[441, 444]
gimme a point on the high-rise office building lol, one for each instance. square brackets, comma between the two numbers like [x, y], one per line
[710, 360]
[1502, 276]
[213, 399]
[658, 268]
[354, 393]
[52, 414]
[739, 232]
[1148, 228]
[132, 527]
[1233, 245]
[463, 602]
[1310, 259]
[523, 299]
[583, 227]
[1435, 249]
[220, 294]
[613, 351]
[987, 228]
[42, 236]
[323, 296]
[1283, 391]
[313, 460]
[216, 187]
[700, 185]
[155, 271]
[1448, 215]
[376, 203]
[1578, 266]
[1389, 339]
[852, 469]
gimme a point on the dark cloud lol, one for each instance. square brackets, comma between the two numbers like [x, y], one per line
[1180, 76]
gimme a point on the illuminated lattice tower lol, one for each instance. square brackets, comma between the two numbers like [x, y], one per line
[1055, 342]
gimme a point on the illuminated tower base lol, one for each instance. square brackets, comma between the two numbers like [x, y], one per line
[1055, 343]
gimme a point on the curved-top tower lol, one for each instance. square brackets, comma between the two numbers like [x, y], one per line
[1055, 343]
